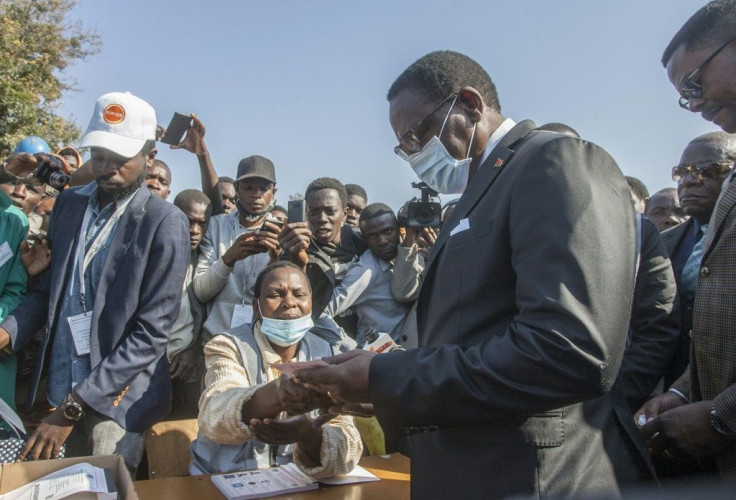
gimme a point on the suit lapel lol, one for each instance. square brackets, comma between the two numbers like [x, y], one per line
[480, 183]
[121, 241]
[723, 207]
[65, 241]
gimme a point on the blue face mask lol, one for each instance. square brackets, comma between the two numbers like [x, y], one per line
[286, 332]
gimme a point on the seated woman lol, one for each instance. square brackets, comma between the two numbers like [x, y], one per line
[252, 416]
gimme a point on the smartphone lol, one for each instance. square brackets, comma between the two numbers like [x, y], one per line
[297, 211]
[273, 220]
[177, 128]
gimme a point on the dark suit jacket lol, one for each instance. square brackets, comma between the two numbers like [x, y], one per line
[522, 326]
[674, 239]
[712, 373]
[136, 303]
[654, 330]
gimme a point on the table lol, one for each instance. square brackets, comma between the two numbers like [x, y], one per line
[392, 469]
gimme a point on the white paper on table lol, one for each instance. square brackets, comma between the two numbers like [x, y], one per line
[62, 483]
[357, 475]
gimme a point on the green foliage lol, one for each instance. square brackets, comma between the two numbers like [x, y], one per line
[37, 43]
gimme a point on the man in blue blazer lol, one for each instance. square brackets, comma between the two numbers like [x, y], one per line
[110, 296]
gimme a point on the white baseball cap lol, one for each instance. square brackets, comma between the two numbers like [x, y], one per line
[121, 123]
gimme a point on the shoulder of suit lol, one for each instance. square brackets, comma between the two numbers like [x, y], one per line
[676, 231]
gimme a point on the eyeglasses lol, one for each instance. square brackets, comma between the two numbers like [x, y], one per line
[693, 90]
[710, 171]
[409, 143]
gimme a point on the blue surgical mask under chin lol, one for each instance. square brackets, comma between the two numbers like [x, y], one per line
[436, 166]
[286, 332]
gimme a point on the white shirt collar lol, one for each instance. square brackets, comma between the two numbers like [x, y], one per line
[496, 137]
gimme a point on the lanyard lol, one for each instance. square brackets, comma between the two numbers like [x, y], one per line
[84, 258]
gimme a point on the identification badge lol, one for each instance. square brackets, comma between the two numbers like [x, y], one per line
[80, 325]
[5, 253]
[241, 314]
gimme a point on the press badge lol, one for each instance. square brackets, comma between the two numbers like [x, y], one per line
[242, 314]
[80, 325]
[5, 253]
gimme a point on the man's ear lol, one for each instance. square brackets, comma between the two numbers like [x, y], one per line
[150, 157]
[256, 310]
[472, 102]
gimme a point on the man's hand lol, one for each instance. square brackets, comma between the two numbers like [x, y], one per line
[35, 254]
[354, 410]
[244, 246]
[194, 140]
[4, 339]
[294, 239]
[687, 427]
[426, 238]
[183, 364]
[295, 398]
[297, 429]
[46, 440]
[21, 165]
[655, 406]
[345, 380]
[268, 237]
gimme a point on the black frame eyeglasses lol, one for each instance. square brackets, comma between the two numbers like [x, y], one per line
[408, 142]
[709, 171]
[693, 90]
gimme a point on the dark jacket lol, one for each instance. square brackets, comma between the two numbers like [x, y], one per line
[136, 303]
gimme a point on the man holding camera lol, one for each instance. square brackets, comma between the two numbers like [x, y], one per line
[109, 297]
[524, 308]
[236, 247]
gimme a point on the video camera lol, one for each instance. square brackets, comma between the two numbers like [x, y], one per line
[424, 213]
[51, 172]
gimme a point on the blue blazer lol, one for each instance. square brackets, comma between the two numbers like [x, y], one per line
[136, 303]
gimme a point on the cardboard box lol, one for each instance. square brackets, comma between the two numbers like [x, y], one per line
[15, 475]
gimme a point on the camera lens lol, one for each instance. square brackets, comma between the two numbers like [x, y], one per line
[58, 180]
[424, 215]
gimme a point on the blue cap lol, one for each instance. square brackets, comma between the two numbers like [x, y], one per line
[32, 144]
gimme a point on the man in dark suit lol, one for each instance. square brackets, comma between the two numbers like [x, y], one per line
[698, 414]
[524, 308]
[110, 296]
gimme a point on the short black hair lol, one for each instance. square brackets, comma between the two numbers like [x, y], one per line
[272, 267]
[714, 23]
[328, 183]
[440, 74]
[163, 164]
[376, 210]
[560, 128]
[638, 188]
[279, 208]
[227, 179]
[189, 197]
[354, 189]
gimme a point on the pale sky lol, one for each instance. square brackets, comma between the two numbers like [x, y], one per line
[304, 82]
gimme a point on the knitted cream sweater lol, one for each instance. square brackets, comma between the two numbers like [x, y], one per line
[227, 388]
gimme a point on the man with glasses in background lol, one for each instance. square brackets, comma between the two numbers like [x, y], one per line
[698, 414]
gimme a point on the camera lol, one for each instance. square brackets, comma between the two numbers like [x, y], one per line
[424, 213]
[51, 172]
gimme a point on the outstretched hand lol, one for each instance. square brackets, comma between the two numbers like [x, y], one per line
[194, 140]
[345, 380]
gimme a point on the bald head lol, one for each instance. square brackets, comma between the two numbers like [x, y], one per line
[722, 144]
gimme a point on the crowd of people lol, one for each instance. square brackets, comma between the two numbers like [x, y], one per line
[557, 330]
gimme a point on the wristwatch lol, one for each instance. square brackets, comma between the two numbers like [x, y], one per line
[719, 425]
[71, 409]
